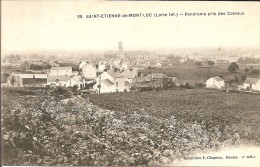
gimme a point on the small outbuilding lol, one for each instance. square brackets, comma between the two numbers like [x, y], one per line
[252, 84]
[215, 82]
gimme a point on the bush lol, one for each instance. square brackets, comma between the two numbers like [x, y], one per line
[60, 91]
[187, 86]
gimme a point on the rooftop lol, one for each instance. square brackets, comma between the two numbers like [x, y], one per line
[61, 68]
[251, 80]
[18, 62]
[129, 73]
[217, 78]
[115, 74]
[57, 77]
[159, 75]
[77, 78]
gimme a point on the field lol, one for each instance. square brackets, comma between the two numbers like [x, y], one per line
[193, 75]
[190, 73]
[124, 129]
[231, 112]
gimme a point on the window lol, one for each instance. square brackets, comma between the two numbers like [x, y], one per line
[117, 84]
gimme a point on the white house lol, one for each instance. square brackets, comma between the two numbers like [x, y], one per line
[215, 82]
[252, 84]
[111, 81]
[77, 80]
[89, 71]
[61, 71]
[124, 66]
[102, 66]
[82, 64]
[57, 80]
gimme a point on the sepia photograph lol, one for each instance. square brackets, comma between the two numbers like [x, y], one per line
[130, 83]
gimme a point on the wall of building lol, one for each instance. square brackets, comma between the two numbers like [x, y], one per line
[89, 72]
[211, 83]
[61, 72]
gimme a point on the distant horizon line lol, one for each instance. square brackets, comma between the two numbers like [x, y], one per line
[133, 49]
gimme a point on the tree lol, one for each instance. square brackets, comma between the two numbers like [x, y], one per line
[233, 67]
[6, 74]
[246, 70]
[199, 63]
[243, 77]
[60, 91]
[75, 88]
[255, 72]
[211, 63]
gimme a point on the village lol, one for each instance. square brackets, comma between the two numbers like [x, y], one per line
[118, 71]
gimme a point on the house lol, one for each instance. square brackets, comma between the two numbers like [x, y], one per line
[53, 63]
[175, 81]
[112, 81]
[183, 60]
[158, 76]
[102, 66]
[147, 82]
[158, 65]
[57, 80]
[89, 71]
[38, 65]
[215, 82]
[147, 64]
[131, 74]
[24, 65]
[61, 71]
[46, 71]
[82, 64]
[115, 64]
[77, 80]
[252, 84]
[124, 66]
[143, 81]
[151, 80]
[142, 64]
[22, 80]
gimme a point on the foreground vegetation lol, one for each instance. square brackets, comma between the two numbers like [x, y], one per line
[230, 112]
[142, 128]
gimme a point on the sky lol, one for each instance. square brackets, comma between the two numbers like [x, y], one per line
[53, 25]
